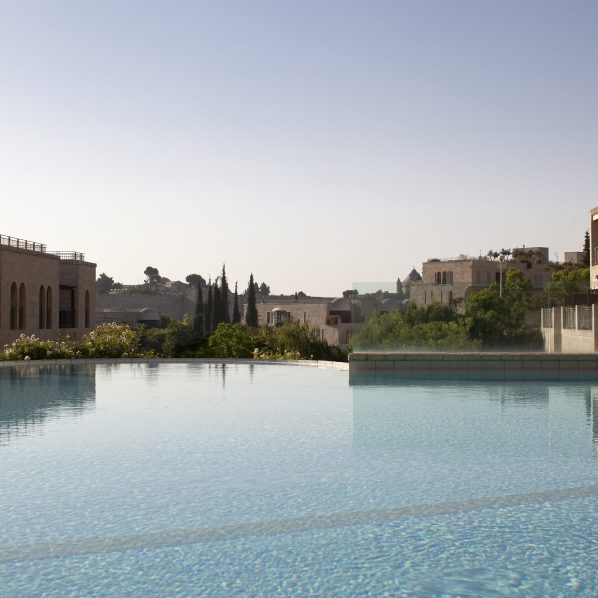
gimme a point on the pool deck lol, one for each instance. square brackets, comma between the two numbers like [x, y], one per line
[368, 366]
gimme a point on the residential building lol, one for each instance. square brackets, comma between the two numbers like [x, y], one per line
[573, 328]
[331, 317]
[44, 293]
[448, 280]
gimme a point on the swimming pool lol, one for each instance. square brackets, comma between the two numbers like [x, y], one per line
[272, 480]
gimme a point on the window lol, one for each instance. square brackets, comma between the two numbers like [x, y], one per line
[86, 309]
[49, 308]
[67, 314]
[438, 278]
[42, 307]
[22, 307]
[444, 280]
[479, 277]
[279, 317]
[13, 306]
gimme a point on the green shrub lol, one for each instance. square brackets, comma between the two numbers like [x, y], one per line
[31, 347]
[233, 341]
[110, 340]
[178, 339]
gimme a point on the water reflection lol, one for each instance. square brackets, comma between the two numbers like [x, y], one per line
[594, 418]
[446, 417]
[30, 395]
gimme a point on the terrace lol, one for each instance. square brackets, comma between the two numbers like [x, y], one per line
[35, 247]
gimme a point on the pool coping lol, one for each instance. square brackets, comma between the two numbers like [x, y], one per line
[473, 365]
[338, 365]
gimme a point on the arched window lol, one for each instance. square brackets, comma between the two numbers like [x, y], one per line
[444, 278]
[22, 307]
[449, 277]
[14, 310]
[86, 309]
[438, 278]
[49, 308]
[42, 307]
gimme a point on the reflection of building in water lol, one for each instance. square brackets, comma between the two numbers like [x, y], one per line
[29, 395]
[594, 420]
[404, 416]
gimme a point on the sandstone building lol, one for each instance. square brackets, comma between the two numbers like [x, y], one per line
[447, 280]
[44, 293]
[573, 328]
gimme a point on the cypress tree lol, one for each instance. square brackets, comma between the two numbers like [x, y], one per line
[251, 317]
[208, 313]
[236, 312]
[224, 293]
[198, 320]
[586, 249]
[216, 306]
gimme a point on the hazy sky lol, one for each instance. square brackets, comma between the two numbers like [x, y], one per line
[315, 143]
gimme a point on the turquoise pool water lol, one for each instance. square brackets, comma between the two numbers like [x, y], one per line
[275, 480]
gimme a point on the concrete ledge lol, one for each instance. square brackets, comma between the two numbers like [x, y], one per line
[473, 366]
[339, 365]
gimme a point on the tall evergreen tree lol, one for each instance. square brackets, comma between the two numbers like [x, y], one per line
[198, 319]
[251, 317]
[236, 312]
[586, 249]
[224, 292]
[208, 312]
[216, 305]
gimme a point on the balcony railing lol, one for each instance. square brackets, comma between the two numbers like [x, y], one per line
[22, 244]
[69, 256]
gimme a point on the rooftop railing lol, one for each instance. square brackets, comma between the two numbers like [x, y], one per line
[69, 256]
[22, 244]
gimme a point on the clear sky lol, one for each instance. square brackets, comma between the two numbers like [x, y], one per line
[315, 143]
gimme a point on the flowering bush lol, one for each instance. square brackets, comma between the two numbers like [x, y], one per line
[31, 347]
[273, 354]
[110, 340]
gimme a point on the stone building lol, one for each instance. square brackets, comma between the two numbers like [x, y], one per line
[573, 328]
[44, 293]
[451, 279]
[331, 317]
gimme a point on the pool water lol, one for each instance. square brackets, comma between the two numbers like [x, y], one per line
[280, 480]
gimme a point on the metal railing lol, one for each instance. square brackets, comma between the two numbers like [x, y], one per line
[70, 256]
[569, 318]
[22, 244]
[547, 317]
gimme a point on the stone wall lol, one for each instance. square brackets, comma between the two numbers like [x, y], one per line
[374, 368]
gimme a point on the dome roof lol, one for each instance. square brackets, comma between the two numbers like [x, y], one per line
[412, 276]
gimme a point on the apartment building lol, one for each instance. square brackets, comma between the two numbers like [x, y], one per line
[44, 293]
[447, 280]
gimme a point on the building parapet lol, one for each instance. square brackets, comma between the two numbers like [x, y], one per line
[22, 244]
